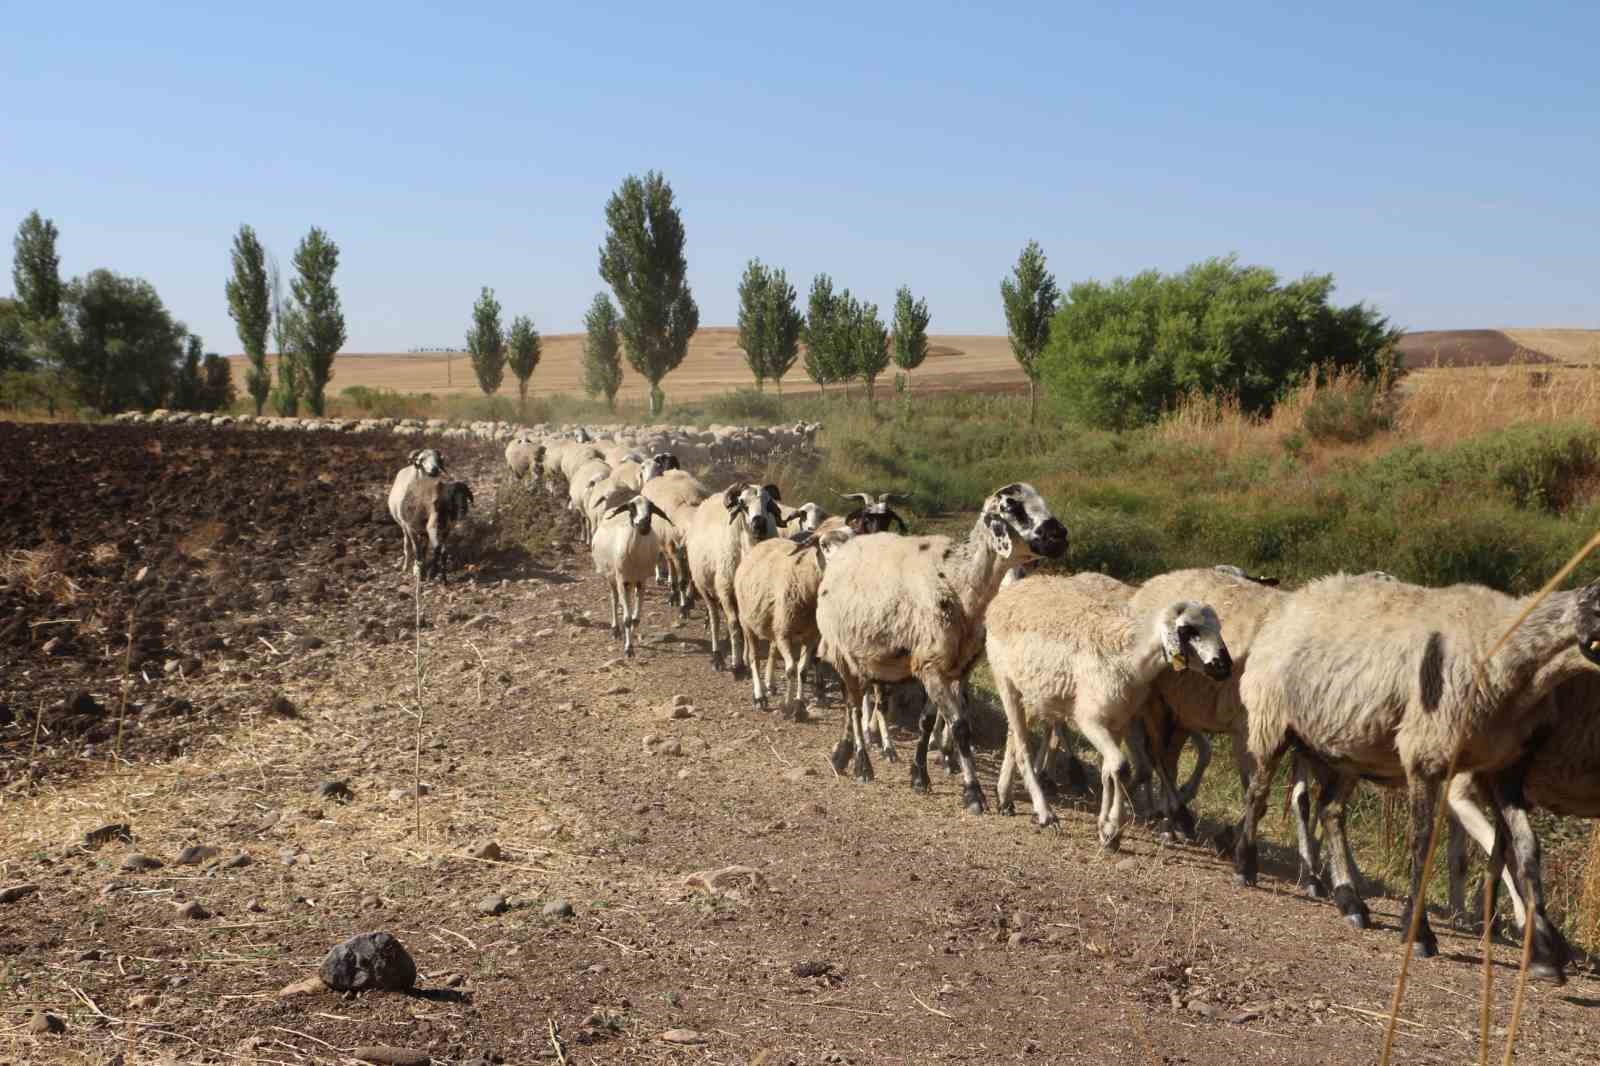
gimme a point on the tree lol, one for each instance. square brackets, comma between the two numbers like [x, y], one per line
[868, 343]
[187, 386]
[1122, 353]
[524, 357]
[13, 338]
[643, 262]
[36, 278]
[119, 346]
[249, 307]
[602, 350]
[216, 384]
[822, 358]
[769, 323]
[316, 327]
[910, 330]
[286, 395]
[1030, 296]
[486, 341]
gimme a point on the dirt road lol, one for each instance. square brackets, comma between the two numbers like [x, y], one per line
[873, 926]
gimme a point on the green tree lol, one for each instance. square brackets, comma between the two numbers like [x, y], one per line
[868, 344]
[769, 323]
[602, 350]
[13, 337]
[1122, 353]
[36, 279]
[643, 262]
[524, 356]
[120, 348]
[249, 306]
[1031, 296]
[186, 387]
[823, 355]
[910, 330]
[217, 392]
[486, 343]
[291, 385]
[317, 324]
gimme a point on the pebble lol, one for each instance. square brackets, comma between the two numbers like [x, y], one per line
[544, 634]
[798, 773]
[193, 911]
[253, 905]
[370, 960]
[16, 892]
[195, 854]
[685, 774]
[490, 852]
[308, 986]
[238, 862]
[336, 790]
[1016, 940]
[107, 833]
[557, 908]
[92, 955]
[677, 710]
[392, 1056]
[44, 1024]
[1204, 1009]
[454, 980]
[612, 664]
[682, 1036]
[137, 863]
[370, 903]
[289, 856]
[396, 795]
[491, 905]
[680, 700]
[143, 1001]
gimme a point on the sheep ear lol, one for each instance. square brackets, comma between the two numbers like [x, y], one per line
[999, 536]
[784, 521]
[730, 497]
[659, 513]
[618, 509]
[772, 490]
[853, 519]
[412, 458]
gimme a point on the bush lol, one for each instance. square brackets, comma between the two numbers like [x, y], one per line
[1122, 353]
[746, 406]
[1348, 415]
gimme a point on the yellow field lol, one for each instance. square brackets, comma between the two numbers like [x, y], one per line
[1563, 345]
[714, 364]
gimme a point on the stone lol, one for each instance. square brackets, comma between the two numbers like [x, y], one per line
[137, 863]
[45, 1024]
[674, 711]
[616, 690]
[15, 892]
[492, 905]
[1128, 864]
[392, 1056]
[680, 700]
[1016, 940]
[107, 833]
[238, 862]
[195, 854]
[193, 911]
[307, 986]
[557, 908]
[336, 790]
[798, 773]
[368, 961]
[144, 1001]
[682, 1036]
[490, 852]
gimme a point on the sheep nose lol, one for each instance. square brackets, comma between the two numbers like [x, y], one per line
[1050, 540]
[1220, 668]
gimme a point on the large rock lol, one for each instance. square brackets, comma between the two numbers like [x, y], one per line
[369, 961]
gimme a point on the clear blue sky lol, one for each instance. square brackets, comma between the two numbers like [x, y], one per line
[1442, 161]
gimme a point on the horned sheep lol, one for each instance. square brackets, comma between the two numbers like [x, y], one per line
[425, 506]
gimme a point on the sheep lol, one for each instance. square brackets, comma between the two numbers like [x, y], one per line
[422, 503]
[809, 515]
[525, 459]
[721, 530]
[1056, 646]
[874, 515]
[776, 589]
[575, 456]
[677, 493]
[660, 463]
[893, 607]
[600, 497]
[624, 553]
[1383, 680]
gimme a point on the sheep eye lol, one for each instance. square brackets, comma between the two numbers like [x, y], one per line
[1186, 632]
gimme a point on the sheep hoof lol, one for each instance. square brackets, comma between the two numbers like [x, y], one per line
[1112, 843]
[890, 754]
[1182, 821]
[1008, 808]
[919, 778]
[841, 755]
[1350, 905]
[863, 766]
[1244, 880]
[1315, 887]
[717, 664]
[972, 799]
[1547, 971]
[1426, 947]
[759, 703]
[1048, 820]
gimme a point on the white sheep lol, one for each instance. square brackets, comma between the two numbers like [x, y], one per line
[776, 588]
[893, 607]
[721, 530]
[1060, 649]
[1392, 683]
[624, 552]
[677, 493]
[425, 506]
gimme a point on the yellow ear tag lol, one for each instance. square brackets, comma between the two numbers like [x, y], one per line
[1179, 662]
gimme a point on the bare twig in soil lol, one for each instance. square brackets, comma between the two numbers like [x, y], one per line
[268, 643]
[930, 1010]
[314, 1040]
[459, 937]
[416, 773]
[1486, 1016]
[1522, 982]
[556, 1043]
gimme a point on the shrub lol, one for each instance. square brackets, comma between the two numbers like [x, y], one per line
[1348, 415]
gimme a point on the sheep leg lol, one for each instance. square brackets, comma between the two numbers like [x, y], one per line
[1468, 819]
[1333, 798]
[616, 609]
[1550, 950]
[1305, 840]
[875, 694]
[736, 641]
[1259, 787]
[947, 697]
[631, 644]
[885, 741]
[1114, 773]
[758, 691]
[1421, 792]
[863, 765]
[846, 747]
[1164, 761]
[919, 757]
[1141, 771]
[1017, 755]
[947, 744]
[711, 627]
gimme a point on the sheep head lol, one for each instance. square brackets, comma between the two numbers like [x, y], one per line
[660, 463]
[428, 461]
[1191, 630]
[755, 507]
[1244, 575]
[641, 510]
[1589, 622]
[1020, 525]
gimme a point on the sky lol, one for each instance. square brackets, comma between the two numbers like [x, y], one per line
[1441, 161]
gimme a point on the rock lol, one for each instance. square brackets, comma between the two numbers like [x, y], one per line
[812, 968]
[1204, 1009]
[54, 646]
[289, 856]
[669, 746]
[1245, 1016]
[612, 664]
[397, 795]
[195, 854]
[254, 906]
[1020, 920]
[490, 852]
[682, 1036]
[544, 634]
[367, 961]
[680, 700]
[238, 862]
[280, 704]
[454, 980]
[676, 710]
[193, 911]
[308, 986]
[1318, 1005]
[798, 773]
[137, 863]
[491, 905]
[616, 690]
[392, 1056]
[16, 892]
[336, 790]
[557, 908]
[477, 621]
[94, 838]
[45, 1024]
[91, 955]
[144, 1001]
[1016, 940]
[685, 774]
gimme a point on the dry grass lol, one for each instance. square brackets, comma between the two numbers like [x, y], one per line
[41, 572]
[1587, 923]
[1566, 345]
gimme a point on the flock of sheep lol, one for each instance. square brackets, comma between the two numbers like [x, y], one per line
[1357, 677]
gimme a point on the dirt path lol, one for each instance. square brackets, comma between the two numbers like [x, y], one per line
[883, 927]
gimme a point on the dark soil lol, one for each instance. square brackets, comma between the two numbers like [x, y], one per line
[1465, 347]
[870, 924]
